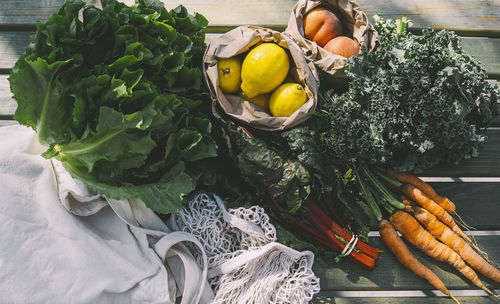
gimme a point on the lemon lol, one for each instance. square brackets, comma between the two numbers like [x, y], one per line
[264, 69]
[229, 74]
[287, 99]
[261, 100]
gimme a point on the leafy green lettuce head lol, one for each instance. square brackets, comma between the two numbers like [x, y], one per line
[416, 102]
[116, 96]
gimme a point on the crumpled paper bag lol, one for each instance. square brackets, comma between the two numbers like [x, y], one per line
[240, 40]
[355, 23]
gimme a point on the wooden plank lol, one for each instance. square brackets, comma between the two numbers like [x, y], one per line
[15, 12]
[426, 298]
[473, 15]
[486, 164]
[4, 123]
[7, 104]
[450, 14]
[477, 202]
[390, 275]
[487, 51]
[12, 45]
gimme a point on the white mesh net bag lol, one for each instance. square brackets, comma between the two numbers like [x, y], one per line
[245, 263]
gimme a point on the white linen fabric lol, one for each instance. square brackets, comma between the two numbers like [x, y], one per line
[61, 243]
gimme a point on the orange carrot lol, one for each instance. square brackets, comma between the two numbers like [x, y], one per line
[425, 202]
[391, 187]
[420, 238]
[452, 240]
[405, 200]
[406, 258]
[411, 179]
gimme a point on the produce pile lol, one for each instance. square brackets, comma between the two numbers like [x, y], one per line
[118, 97]
[415, 102]
[263, 78]
[324, 26]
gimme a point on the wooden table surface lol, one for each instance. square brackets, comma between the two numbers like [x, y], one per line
[474, 185]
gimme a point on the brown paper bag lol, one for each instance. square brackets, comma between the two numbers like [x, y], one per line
[240, 40]
[355, 23]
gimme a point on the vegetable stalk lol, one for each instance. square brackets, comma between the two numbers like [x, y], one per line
[328, 233]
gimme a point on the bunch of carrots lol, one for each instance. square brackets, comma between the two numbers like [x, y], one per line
[421, 215]
[441, 239]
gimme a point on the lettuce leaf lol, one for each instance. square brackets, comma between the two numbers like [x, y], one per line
[117, 97]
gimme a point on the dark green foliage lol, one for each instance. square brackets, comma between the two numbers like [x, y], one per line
[118, 98]
[289, 165]
[416, 102]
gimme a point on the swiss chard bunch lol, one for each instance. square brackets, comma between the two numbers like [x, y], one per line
[289, 174]
[116, 95]
[416, 102]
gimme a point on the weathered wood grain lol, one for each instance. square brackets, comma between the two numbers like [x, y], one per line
[4, 123]
[378, 298]
[14, 12]
[486, 50]
[486, 164]
[450, 14]
[12, 45]
[475, 15]
[7, 104]
[390, 275]
[477, 203]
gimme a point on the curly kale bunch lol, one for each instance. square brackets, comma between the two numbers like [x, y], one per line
[416, 102]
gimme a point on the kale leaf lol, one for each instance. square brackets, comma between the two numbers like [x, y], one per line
[416, 102]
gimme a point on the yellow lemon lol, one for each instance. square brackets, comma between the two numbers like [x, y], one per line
[261, 100]
[229, 74]
[264, 69]
[287, 99]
